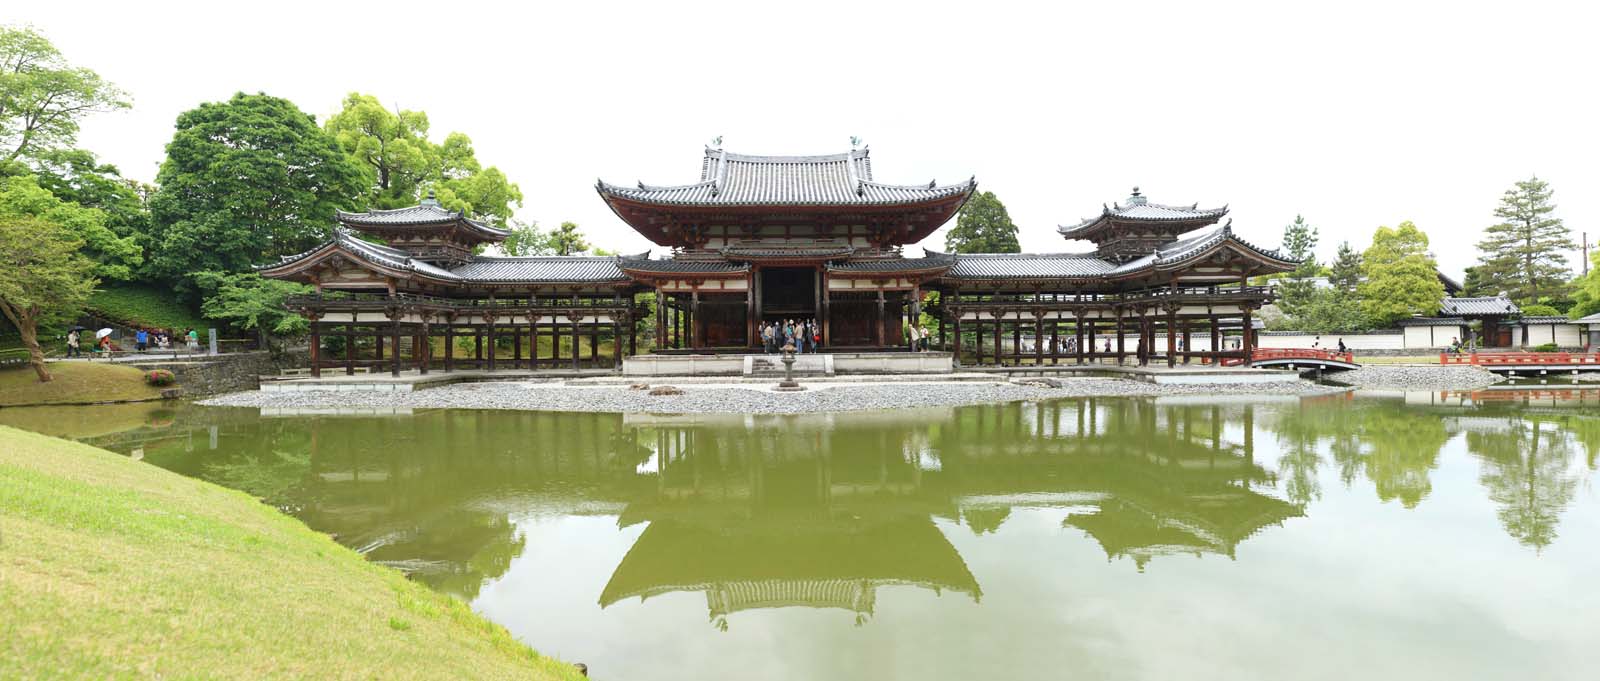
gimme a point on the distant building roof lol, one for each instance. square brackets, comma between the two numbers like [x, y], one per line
[1479, 307]
[1432, 321]
[428, 213]
[539, 269]
[1545, 319]
[1591, 319]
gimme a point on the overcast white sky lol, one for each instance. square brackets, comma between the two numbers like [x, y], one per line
[1354, 114]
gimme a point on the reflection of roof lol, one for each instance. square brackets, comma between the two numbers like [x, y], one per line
[1138, 209]
[1485, 306]
[672, 555]
[728, 179]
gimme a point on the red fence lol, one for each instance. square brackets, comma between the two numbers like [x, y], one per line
[1532, 359]
[1311, 354]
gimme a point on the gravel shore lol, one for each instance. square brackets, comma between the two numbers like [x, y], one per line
[699, 399]
[1397, 377]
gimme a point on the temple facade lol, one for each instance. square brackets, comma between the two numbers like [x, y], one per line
[757, 239]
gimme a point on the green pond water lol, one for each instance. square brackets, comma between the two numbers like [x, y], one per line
[1417, 536]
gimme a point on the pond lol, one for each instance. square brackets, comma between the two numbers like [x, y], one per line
[1433, 535]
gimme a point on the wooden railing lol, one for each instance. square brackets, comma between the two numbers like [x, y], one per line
[1502, 359]
[1311, 354]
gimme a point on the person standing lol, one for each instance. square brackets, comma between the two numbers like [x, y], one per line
[193, 340]
[73, 343]
[141, 339]
[916, 337]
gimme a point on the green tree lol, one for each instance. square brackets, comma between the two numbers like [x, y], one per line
[252, 303]
[1586, 290]
[1401, 277]
[44, 278]
[76, 175]
[245, 181]
[1296, 289]
[983, 226]
[114, 257]
[527, 239]
[567, 240]
[1330, 311]
[1527, 249]
[402, 163]
[1475, 285]
[43, 97]
[1344, 275]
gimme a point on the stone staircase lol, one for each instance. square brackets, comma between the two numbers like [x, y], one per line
[771, 366]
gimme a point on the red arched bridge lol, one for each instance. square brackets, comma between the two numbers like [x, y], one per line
[1297, 359]
[1526, 362]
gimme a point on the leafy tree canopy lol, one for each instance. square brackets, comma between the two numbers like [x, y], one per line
[44, 277]
[1401, 277]
[43, 97]
[527, 239]
[567, 239]
[245, 181]
[1527, 250]
[1540, 310]
[76, 175]
[251, 302]
[1296, 289]
[115, 257]
[1586, 293]
[402, 163]
[983, 226]
[1330, 311]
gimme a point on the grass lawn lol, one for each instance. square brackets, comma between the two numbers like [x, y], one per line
[74, 382]
[142, 304]
[111, 568]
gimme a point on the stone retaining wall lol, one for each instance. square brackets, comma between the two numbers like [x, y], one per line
[212, 375]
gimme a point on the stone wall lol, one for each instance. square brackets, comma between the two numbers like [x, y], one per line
[225, 373]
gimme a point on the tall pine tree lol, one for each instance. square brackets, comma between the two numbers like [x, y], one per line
[1296, 289]
[1526, 252]
[1345, 273]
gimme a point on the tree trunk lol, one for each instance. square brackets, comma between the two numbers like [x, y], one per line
[28, 328]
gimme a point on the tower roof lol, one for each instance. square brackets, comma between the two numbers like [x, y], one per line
[729, 179]
[1137, 210]
[425, 216]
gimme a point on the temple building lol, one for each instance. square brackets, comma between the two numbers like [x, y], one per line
[758, 239]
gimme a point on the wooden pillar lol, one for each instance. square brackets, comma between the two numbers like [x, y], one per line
[616, 343]
[449, 343]
[677, 327]
[575, 345]
[1172, 337]
[977, 340]
[750, 335]
[1016, 341]
[1216, 340]
[1038, 338]
[1121, 350]
[533, 339]
[633, 329]
[350, 349]
[757, 310]
[594, 344]
[424, 351]
[697, 336]
[316, 348]
[377, 345]
[516, 345]
[827, 298]
[1249, 339]
[880, 331]
[493, 349]
[955, 323]
[1077, 335]
[661, 319]
[394, 362]
[1188, 342]
[914, 312]
[999, 347]
[942, 337]
[1055, 341]
[477, 347]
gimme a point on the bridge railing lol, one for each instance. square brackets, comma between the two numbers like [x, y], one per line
[1501, 359]
[1263, 354]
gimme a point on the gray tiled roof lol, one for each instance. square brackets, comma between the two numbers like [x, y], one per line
[1496, 305]
[1178, 251]
[672, 266]
[1027, 266]
[728, 179]
[1591, 319]
[1139, 209]
[737, 252]
[1432, 321]
[385, 256]
[1541, 319]
[427, 213]
[543, 269]
[927, 262]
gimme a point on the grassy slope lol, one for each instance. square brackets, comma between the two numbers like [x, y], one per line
[112, 568]
[74, 382]
[142, 304]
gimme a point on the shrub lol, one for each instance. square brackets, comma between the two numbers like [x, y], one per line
[1540, 310]
[160, 377]
[1547, 347]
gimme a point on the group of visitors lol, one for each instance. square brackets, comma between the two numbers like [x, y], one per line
[803, 334]
[919, 337]
[143, 340]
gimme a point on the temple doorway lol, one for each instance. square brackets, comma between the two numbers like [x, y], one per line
[788, 293]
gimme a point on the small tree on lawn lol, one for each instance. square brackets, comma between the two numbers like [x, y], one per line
[251, 302]
[43, 279]
[1401, 277]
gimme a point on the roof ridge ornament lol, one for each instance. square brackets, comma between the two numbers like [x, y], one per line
[431, 199]
[1137, 199]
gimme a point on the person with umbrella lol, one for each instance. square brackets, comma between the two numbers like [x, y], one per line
[104, 336]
